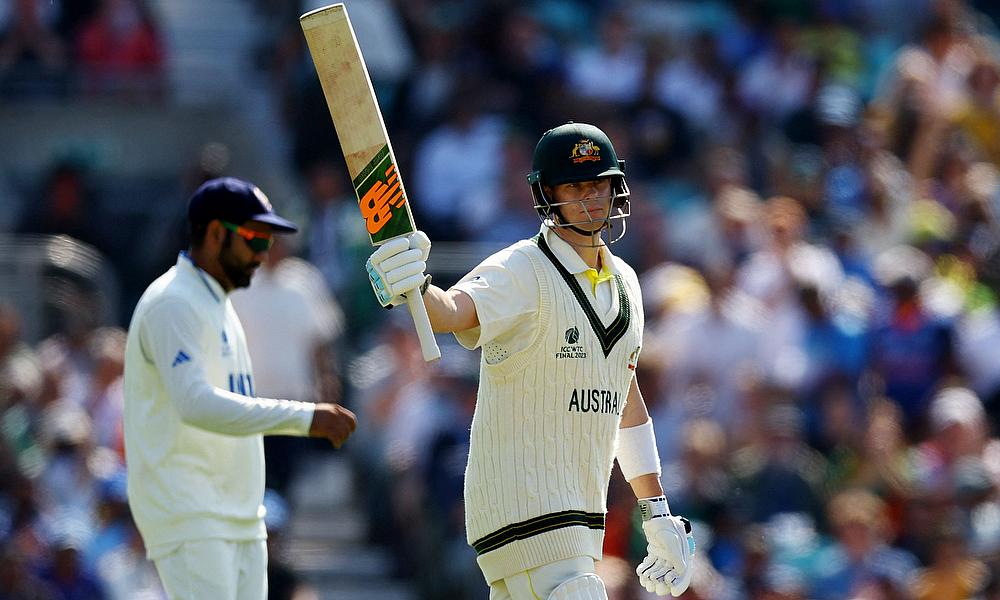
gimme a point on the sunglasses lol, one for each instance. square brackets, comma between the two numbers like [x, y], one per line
[256, 240]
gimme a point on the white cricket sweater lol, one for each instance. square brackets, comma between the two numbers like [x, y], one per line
[546, 420]
[193, 443]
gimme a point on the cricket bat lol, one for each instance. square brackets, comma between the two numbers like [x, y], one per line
[364, 140]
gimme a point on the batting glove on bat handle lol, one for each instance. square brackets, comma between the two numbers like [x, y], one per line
[398, 266]
[667, 568]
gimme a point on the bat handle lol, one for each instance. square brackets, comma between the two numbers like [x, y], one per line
[428, 345]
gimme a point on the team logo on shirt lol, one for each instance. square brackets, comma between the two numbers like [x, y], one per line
[181, 358]
[585, 150]
[572, 349]
[227, 350]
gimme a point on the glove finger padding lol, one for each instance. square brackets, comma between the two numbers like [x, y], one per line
[680, 584]
[406, 257]
[388, 250]
[398, 278]
[654, 569]
[418, 240]
[409, 283]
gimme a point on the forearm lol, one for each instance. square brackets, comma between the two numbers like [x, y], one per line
[219, 411]
[635, 412]
[646, 486]
[450, 310]
[637, 454]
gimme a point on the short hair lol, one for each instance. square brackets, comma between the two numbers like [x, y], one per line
[859, 506]
[196, 233]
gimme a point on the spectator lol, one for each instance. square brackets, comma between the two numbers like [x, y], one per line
[912, 347]
[20, 374]
[953, 574]
[703, 380]
[691, 83]
[104, 401]
[778, 82]
[457, 204]
[861, 556]
[292, 324]
[780, 473]
[17, 580]
[959, 429]
[67, 573]
[979, 116]
[120, 50]
[336, 238]
[609, 69]
[28, 35]
[67, 206]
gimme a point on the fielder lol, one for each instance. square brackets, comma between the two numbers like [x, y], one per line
[559, 320]
[193, 426]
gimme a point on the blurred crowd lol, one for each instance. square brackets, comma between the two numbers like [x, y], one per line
[61, 47]
[815, 197]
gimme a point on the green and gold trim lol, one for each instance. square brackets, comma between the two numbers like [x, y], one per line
[538, 525]
[608, 336]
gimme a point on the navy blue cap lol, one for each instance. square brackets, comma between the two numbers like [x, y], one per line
[236, 201]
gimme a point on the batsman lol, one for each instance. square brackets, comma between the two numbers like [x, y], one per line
[559, 319]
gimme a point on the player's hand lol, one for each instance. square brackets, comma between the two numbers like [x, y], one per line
[670, 546]
[333, 422]
[397, 267]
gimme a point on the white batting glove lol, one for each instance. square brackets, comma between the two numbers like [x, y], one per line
[397, 267]
[670, 546]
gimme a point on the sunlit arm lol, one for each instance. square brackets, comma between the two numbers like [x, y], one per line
[450, 311]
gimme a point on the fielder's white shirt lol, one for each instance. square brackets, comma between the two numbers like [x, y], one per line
[193, 428]
[554, 377]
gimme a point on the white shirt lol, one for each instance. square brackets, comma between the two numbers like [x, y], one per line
[286, 313]
[506, 291]
[193, 427]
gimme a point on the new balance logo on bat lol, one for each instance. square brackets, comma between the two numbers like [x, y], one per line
[180, 358]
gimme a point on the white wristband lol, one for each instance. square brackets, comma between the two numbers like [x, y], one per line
[637, 453]
[651, 508]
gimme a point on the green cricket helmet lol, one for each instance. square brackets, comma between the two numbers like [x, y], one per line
[571, 153]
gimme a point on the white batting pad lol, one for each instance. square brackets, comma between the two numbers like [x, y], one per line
[581, 587]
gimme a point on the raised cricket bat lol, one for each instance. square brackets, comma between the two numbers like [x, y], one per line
[363, 139]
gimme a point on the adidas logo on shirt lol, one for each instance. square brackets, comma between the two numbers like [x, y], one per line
[180, 358]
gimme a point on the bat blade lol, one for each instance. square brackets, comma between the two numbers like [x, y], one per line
[364, 140]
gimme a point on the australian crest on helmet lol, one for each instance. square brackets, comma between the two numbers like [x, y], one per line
[585, 150]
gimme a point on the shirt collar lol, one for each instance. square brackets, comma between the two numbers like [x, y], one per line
[568, 256]
[186, 264]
